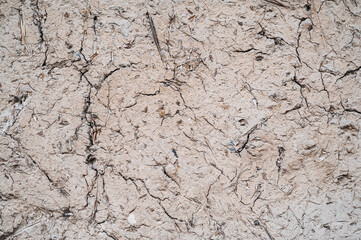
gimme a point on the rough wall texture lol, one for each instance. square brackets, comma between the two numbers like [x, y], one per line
[244, 125]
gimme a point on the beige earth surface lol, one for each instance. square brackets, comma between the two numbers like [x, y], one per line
[243, 124]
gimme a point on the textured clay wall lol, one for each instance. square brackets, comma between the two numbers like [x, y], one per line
[220, 120]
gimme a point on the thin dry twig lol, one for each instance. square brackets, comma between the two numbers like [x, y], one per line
[155, 37]
[277, 3]
[23, 29]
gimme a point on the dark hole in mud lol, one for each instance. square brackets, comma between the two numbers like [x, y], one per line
[278, 41]
[242, 122]
[90, 159]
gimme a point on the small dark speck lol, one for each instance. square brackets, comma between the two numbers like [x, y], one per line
[174, 152]
[259, 58]
[256, 223]
[18, 99]
[308, 7]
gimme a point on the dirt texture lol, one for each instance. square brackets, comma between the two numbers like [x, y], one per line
[180, 119]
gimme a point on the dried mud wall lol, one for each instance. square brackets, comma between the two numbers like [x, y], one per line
[244, 124]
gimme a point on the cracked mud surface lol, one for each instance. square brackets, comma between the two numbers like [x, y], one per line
[243, 123]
